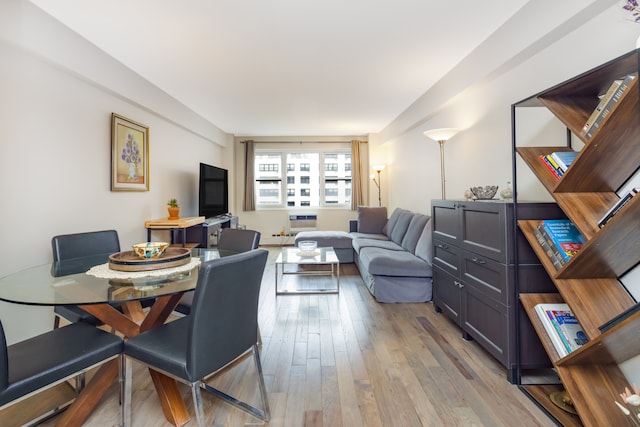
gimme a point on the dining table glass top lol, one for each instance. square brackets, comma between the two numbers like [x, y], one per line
[67, 282]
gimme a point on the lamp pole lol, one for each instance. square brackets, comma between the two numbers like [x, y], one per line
[378, 169]
[441, 136]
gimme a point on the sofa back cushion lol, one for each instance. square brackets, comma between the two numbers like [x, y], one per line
[371, 219]
[414, 231]
[401, 226]
[424, 247]
[393, 219]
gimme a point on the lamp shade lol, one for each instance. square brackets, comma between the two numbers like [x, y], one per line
[378, 168]
[442, 134]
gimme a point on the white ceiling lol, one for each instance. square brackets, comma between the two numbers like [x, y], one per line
[288, 67]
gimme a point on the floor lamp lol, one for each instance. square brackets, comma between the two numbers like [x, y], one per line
[441, 136]
[378, 169]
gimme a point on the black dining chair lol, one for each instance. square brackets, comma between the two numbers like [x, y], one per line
[77, 246]
[48, 359]
[230, 240]
[220, 329]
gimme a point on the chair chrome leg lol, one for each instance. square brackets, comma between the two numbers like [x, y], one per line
[125, 390]
[80, 382]
[263, 414]
[197, 402]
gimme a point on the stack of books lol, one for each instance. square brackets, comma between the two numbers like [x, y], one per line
[563, 328]
[617, 91]
[558, 162]
[616, 208]
[560, 240]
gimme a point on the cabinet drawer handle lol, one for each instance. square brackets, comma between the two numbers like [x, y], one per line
[479, 261]
[441, 246]
[458, 284]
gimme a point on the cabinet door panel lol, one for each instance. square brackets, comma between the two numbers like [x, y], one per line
[484, 230]
[446, 256]
[486, 276]
[445, 220]
[446, 293]
[485, 319]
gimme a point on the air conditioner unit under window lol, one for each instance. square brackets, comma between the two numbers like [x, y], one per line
[299, 223]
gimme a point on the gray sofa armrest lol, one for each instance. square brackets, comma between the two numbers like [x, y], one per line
[353, 225]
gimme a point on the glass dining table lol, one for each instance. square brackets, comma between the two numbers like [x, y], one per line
[74, 282]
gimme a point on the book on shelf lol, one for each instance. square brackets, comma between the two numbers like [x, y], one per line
[617, 206]
[564, 236]
[619, 94]
[551, 331]
[601, 104]
[562, 327]
[555, 258]
[569, 328]
[564, 159]
[555, 172]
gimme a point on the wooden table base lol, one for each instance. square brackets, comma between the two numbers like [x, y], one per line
[173, 406]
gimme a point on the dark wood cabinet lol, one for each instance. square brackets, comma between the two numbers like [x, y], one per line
[589, 283]
[474, 255]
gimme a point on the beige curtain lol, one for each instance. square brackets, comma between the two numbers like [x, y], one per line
[249, 178]
[357, 187]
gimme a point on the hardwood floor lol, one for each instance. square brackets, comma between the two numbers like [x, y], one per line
[344, 360]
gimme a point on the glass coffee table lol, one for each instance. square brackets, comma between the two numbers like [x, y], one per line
[292, 261]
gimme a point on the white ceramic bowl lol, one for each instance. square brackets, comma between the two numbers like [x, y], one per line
[307, 246]
[150, 250]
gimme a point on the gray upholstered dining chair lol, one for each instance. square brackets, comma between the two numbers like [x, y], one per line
[238, 240]
[221, 328]
[78, 246]
[48, 359]
[230, 240]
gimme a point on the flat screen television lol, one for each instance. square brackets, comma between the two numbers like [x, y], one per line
[213, 191]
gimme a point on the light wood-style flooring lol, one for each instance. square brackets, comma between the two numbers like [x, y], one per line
[344, 360]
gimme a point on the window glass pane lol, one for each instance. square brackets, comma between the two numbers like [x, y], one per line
[337, 178]
[295, 179]
[268, 178]
[303, 179]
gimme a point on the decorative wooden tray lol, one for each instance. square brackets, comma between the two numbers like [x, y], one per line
[129, 261]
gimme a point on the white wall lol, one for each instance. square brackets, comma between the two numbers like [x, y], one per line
[545, 43]
[554, 42]
[57, 93]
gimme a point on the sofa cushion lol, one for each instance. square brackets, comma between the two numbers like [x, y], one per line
[400, 228]
[358, 244]
[414, 231]
[424, 248]
[356, 235]
[393, 219]
[371, 219]
[383, 262]
[335, 239]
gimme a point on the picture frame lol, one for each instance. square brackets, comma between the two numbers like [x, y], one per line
[129, 155]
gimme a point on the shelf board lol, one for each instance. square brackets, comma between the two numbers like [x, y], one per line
[590, 374]
[541, 393]
[613, 250]
[593, 301]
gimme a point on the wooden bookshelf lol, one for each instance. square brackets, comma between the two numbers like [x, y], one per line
[589, 282]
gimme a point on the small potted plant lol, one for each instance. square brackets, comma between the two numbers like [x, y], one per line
[174, 209]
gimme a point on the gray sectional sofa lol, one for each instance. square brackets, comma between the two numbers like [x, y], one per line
[393, 255]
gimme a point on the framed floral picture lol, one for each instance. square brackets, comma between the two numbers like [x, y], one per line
[129, 155]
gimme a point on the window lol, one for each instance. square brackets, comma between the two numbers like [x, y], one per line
[313, 178]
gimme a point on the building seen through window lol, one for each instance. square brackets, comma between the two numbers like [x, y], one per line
[311, 179]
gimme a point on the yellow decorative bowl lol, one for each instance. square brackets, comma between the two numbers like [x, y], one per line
[150, 250]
